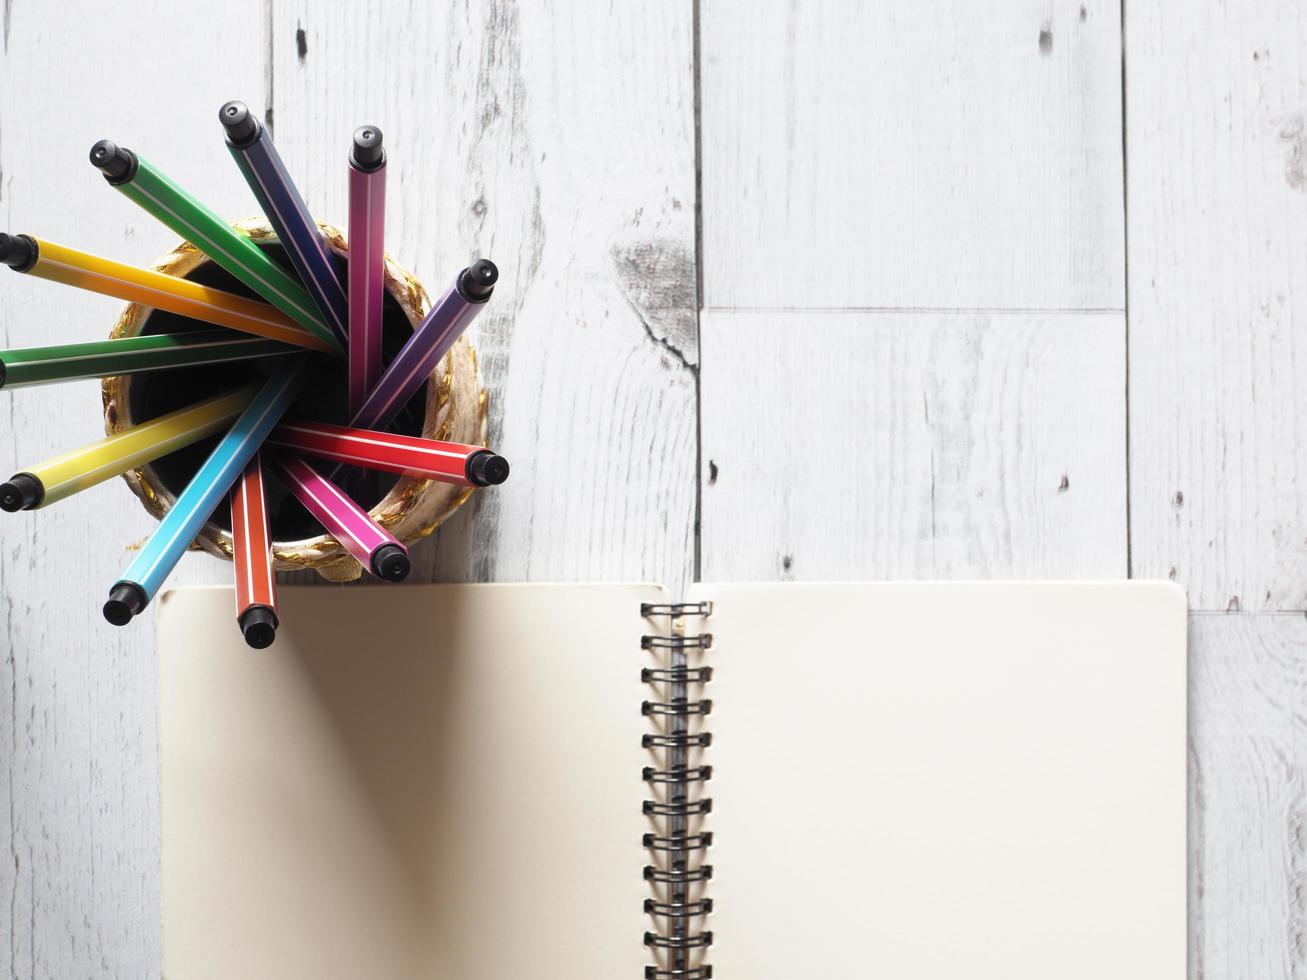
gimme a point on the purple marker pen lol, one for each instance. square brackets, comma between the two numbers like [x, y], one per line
[431, 340]
[260, 163]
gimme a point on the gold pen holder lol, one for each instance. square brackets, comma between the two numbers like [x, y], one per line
[453, 408]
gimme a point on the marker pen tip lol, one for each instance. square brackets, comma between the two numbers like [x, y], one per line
[239, 122]
[390, 563]
[487, 469]
[478, 280]
[259, 625]
[367, 152]
[11, 498]
[125, 601]
[17, 251]
[22, 492]
[117, 163]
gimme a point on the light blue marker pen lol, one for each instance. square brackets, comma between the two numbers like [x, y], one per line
[182, 523]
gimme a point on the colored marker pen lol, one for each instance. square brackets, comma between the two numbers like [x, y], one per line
[256, 586]
[27, 366]
[66, 474]
[179, 526]
[260, 163]
[367, 221]
[431, 340]
[448, 462]
[139, 181]
[58, 263]
[376, 549]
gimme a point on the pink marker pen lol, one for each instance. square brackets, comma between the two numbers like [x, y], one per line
[376, 548]
[367, 222]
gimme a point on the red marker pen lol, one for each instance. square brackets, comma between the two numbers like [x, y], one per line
[256, 588]
[448, 462]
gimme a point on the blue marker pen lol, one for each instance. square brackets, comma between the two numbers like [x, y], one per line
[178, 528]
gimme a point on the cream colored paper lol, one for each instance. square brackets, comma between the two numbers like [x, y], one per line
[912, 781]
[413, 782]
[939, 781]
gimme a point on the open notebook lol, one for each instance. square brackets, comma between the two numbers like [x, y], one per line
[907, 781]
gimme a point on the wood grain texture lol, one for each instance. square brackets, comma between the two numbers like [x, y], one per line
[559, 141]
[1248, 805]
[964, 164]
[79, 876]
[1218, 281]
[913, 445]
[941, 153]
[598, 318]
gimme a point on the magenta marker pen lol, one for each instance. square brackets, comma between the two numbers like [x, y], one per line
[367, 222]
[377, 550]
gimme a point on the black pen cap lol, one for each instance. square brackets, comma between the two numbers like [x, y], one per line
[22, 492]
[242, 128]
[117, 163]
[367, 152]
[259, 624]
[485, 469]
[126, 599]
[477, 281]
[19, 252]
[390, 563]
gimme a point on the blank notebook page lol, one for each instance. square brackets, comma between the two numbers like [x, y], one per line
[936, 781]
[413, 782]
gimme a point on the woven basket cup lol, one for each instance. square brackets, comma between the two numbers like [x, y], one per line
[413, 508]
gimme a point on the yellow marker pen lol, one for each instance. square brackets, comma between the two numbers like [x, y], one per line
[97, 461]
[58, 263]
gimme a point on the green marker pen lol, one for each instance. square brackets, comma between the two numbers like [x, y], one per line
[23, 367]
[154, 192]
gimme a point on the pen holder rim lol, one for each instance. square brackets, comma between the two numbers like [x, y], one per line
[456, 411]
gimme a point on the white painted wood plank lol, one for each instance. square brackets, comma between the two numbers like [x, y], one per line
[902, 445]
[1248, 849]
[937, 154]
[79, 877]
[558, 140]
[1218, 300]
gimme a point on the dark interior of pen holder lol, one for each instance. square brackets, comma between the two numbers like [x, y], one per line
[323, 399]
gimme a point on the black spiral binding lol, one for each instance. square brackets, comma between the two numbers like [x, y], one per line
[676, 853]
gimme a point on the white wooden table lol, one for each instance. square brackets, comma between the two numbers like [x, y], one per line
[790, 291]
